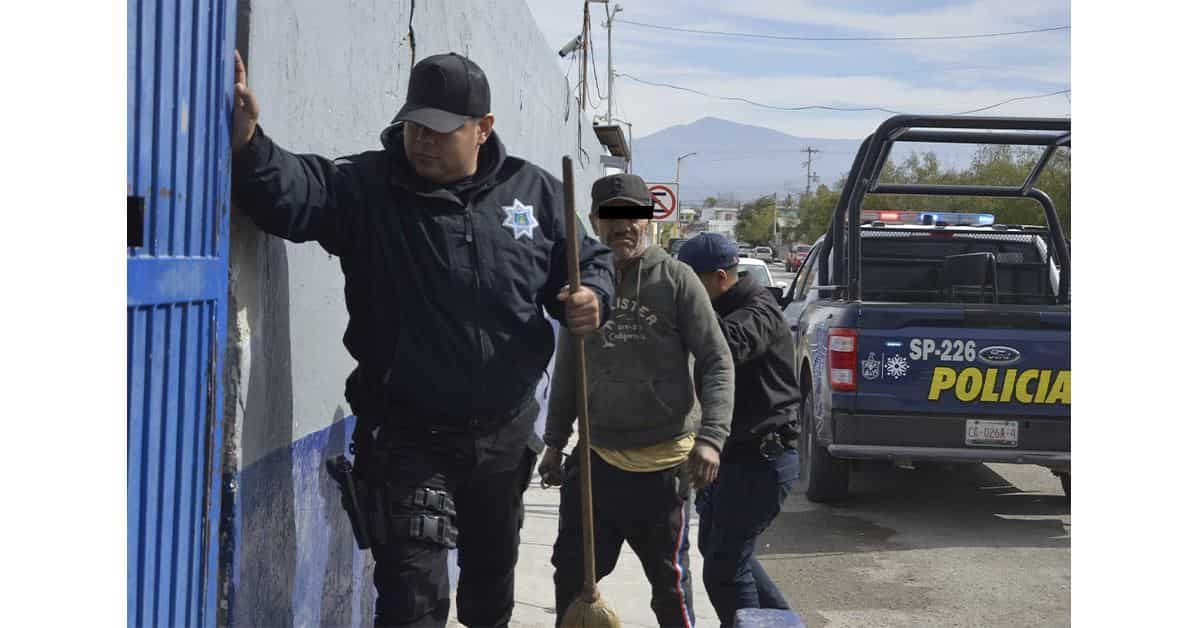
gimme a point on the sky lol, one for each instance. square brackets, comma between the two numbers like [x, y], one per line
[933, 76]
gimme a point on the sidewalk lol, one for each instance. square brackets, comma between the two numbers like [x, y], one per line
[625, 589]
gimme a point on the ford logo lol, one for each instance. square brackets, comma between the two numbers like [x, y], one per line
[999, 356]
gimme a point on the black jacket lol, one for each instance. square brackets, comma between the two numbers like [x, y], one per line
[766, 386]
[445, 300]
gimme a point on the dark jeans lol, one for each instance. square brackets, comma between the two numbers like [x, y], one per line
[486, 474]
[647, 510]
[734, 511]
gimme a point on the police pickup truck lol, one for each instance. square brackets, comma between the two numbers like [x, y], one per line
[928, 336]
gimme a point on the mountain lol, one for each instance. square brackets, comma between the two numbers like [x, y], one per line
[746, 161]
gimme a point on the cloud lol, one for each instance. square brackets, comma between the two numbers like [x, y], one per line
[926, 77]
[651, 108]
[981, 16]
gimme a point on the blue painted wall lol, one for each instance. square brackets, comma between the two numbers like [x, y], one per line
[324, 580]
[286, 496]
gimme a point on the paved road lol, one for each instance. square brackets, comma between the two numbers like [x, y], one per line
[779, 274]
[965, 545]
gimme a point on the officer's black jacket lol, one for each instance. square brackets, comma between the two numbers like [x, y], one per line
[766, 387]
[444, 299]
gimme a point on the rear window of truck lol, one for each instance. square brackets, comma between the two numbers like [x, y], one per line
[956, 266]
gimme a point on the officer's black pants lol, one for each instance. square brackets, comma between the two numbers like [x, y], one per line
[747, 496]
[648, 511]
[486, 474]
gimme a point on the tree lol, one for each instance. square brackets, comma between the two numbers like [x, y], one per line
[991, 165]
[756, 221]
[710, 201]
[815, 212]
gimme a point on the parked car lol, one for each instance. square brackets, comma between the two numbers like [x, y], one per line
[796, 257]
[758, 270]
[764, 253]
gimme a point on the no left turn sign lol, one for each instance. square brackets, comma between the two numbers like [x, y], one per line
[666, 199]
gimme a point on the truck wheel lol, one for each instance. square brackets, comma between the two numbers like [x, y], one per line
[828, 477]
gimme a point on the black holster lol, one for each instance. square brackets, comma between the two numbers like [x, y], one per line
[355, 496]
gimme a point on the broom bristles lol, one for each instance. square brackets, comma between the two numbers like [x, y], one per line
[590, 614]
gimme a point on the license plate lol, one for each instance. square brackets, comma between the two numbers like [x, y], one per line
[993, 433]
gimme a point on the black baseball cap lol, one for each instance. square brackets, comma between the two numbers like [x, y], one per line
[444, 91]
[630, 189]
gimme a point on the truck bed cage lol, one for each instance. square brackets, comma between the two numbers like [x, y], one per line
[863, 179]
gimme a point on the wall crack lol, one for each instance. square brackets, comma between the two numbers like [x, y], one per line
[412, 36]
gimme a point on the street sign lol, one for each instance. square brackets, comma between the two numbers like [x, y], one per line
[666, 199]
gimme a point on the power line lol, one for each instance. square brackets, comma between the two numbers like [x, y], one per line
[833, 107]
[882, 38]
[595, 74]
[756, 104]
[1034, 97]
[752, 155]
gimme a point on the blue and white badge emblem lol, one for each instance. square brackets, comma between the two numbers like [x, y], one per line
[520, 219]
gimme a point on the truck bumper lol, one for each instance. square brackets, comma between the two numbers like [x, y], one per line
[1041, 440]
[1058, 460]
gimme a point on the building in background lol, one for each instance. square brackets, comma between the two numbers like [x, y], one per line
[722, 220]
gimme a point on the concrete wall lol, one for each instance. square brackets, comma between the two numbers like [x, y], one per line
[329, 75]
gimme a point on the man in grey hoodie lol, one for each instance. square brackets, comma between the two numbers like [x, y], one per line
[645, 436]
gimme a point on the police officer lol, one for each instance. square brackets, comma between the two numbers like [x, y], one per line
[450, 249]
[759, 461]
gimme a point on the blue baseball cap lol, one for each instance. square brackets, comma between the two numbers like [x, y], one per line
[708, 252]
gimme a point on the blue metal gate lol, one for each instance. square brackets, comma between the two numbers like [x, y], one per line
[180, 58]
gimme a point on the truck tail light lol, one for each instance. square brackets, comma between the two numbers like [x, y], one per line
[843, 358]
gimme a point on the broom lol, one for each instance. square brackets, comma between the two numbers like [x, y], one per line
[587, 610]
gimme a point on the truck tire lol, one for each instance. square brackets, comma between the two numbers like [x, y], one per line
[828, 477]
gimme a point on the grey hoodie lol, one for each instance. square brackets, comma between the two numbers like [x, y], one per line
[640, 389]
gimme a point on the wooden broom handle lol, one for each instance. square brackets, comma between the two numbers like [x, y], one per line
[584, 448]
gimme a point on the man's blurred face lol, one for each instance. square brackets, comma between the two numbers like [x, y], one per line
[717, 282]
[446, 157]
[625, 236]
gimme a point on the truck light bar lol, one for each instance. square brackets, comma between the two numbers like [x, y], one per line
[928, 218]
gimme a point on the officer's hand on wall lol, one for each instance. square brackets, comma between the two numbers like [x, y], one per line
[245, 107]
[703, 463]
[550, 469]
[583, 309]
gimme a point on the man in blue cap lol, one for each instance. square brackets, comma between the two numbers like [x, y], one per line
[759, 460]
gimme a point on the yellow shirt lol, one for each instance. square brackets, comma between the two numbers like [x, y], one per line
[655, 457]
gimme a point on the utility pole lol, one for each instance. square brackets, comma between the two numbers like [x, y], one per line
[808, 165]
[609, 24]
[775, 220]
[679, 199]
